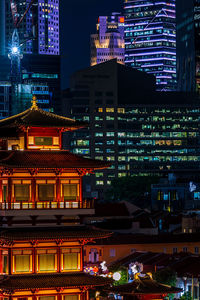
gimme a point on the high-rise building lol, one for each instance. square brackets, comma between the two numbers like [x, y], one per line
[150, 39]
[39, 41]
[108, 42]
[188, 40]
[39, 30]
[138, 130]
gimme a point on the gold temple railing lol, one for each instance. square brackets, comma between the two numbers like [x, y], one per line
[23, 205]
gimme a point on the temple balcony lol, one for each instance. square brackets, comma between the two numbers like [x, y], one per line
[44, 212]
[47, 205]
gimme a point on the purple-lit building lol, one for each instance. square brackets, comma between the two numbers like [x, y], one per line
[39, 31]
[150, 39]
[108, 42]
[39, 41]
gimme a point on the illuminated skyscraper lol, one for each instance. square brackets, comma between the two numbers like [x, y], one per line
[39, 31]
[108, 42]
[188, 40]
[150, 39]
[39, 42]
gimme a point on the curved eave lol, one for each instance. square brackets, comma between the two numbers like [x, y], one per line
[51, 281]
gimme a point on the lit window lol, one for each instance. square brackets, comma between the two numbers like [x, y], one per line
[121, 110]
[99, 182]
[4, 261]
[46, 298]
[46, 192]
[46, 260]
[112, 252]
[71, 297]
[22, 261]
[100, 109]
[110, 110]
[71, 259]
[70, 191]
[43, 141]
[22, 192]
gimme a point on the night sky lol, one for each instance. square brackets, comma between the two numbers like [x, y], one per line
[78, 21]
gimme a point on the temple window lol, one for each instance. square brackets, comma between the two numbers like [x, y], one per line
[4, 262]
[45, 190]
[22, 261]
[44, 141]
[71, 297]
[70, 190]
[70, 259]
[21, 190]
[46, 298]
[47, 260]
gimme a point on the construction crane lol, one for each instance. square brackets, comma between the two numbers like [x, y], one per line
[15, 53]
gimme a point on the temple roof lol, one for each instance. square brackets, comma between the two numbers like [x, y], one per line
[48, 160]
[79, 232]
[144, 286]
[36, 117]
[49, 281]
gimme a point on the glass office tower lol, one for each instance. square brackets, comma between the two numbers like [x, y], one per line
[150, 39]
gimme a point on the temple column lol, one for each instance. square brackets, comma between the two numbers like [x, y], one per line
[81, 192]
[1, 192]
[33, 192]
[9, 194]
[58, 196]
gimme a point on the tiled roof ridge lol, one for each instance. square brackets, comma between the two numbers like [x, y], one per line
[50, 114]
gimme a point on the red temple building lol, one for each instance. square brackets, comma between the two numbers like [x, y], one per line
[41, 210]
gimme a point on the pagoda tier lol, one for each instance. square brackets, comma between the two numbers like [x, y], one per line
[35, 129]
[47, 183]
[37, 262]
[58, 284]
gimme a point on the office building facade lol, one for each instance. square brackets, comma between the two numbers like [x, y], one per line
[186, 58]
[150, 39]
[139, 131]
[108, 42]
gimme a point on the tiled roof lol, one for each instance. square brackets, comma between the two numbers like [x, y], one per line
[37, 117]
[48, 160]
[144, 286]
[119, 239]
[47, 233]
[184, 264]
[49, 281]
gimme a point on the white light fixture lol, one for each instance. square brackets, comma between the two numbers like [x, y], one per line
[117, 276]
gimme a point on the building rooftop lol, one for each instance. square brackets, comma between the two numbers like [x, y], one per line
[144, 286]
[48, 160]
[36, 117]
[51, 281]
[79, 232]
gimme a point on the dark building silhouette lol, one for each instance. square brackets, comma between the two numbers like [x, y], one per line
[140, 131]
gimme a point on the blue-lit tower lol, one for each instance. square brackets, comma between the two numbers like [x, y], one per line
[150, 39]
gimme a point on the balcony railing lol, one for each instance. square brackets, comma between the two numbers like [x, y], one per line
[22, 205]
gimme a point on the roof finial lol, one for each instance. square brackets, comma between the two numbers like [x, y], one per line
[34, 103]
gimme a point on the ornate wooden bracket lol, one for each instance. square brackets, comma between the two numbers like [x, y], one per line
[58, 172]
[33, 171]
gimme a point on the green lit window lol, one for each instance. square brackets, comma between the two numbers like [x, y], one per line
[43, 141]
